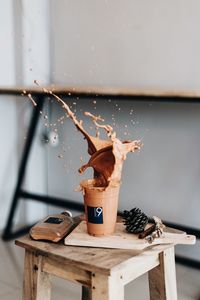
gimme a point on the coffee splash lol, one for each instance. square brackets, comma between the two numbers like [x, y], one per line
[107, 155]
[107, 160]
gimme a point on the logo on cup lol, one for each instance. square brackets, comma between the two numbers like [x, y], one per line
[95, 214]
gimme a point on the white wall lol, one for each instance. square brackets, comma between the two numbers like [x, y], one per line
[24, 56]
[7, 74]
[142, 44]
[127, 43]
[35, 62]
[108, 43]
[35, 41]
[8, 118]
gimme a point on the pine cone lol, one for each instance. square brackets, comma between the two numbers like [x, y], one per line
[135, 220]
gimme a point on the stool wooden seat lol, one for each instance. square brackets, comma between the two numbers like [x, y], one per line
[102, 272]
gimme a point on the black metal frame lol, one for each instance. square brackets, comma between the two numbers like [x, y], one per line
[7, 234]
[19, 193]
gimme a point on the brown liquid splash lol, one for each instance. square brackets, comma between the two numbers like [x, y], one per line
[107, 156]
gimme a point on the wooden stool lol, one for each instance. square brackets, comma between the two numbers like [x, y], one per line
[102, 272]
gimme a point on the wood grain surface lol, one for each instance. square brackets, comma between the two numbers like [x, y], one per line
[104, 91]
[103, 272]
[99, 260]
[123, 240]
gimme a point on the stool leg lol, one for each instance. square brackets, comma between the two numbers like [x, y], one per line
[162, 279]
[86, 293]
[107, 287]
[37, 284]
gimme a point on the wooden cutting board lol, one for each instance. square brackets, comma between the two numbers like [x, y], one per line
[123, 240]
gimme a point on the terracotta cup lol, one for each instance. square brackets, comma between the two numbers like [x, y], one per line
[100, 208]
